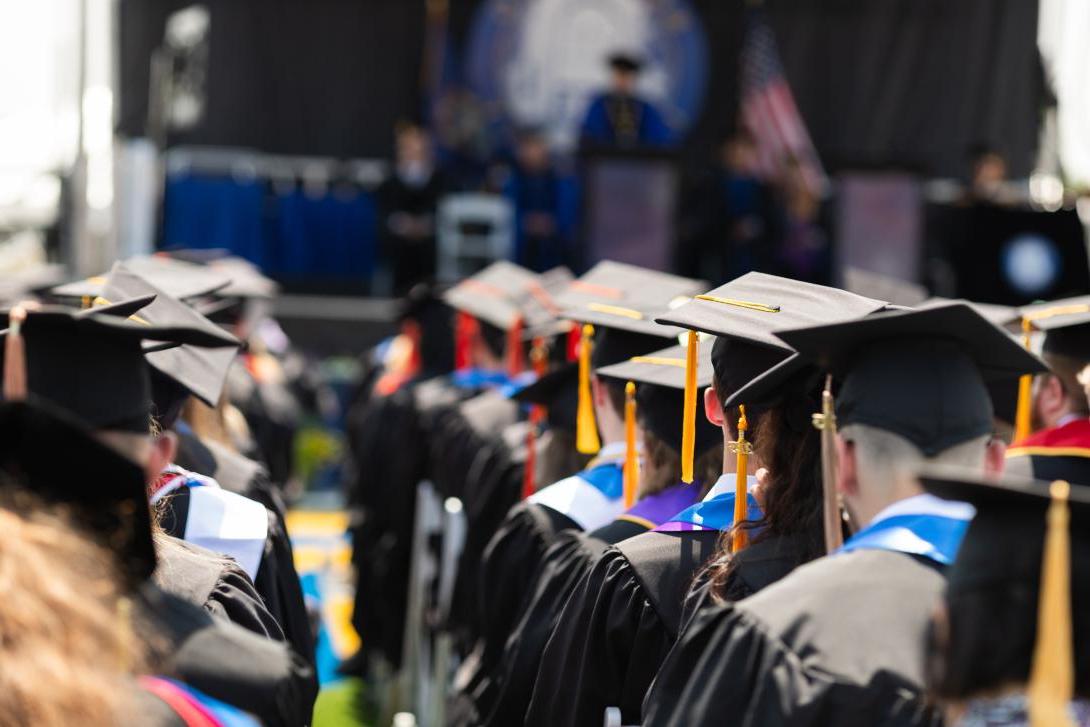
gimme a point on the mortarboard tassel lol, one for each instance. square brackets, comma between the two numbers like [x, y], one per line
[516, 362]
[1052, 675]
[574, 338]
[465, 331]
[539, 359]
[1022, 419]
[826, 422]
[631, 455]
[586, 428]
[688, 426]
[742, 448]
[529, 474]
[15, 385]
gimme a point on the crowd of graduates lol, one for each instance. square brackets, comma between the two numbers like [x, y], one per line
[767, 502]
[148, 575]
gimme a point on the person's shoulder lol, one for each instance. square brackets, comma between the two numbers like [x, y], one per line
[654, 546]
[1074, 435]
[825, 584]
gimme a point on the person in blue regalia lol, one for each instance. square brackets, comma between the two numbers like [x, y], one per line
[619, 118]
[841, 640]
[536, 189]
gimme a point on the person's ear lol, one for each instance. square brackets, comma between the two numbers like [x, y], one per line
[847, 471]
[995, 458]
[598, 390]
[713, 409]
[163, 449]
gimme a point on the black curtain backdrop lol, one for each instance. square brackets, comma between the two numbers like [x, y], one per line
[910, 83]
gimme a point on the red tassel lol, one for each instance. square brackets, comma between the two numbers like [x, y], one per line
[15, 385]
[516, 360]
[529, 475]
[466, 331]
[574, 338]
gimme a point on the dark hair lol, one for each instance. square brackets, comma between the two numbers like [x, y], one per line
[615, 393]
[790, 448]
[991, 625]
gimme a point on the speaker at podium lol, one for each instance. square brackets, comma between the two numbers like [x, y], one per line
[630, 199]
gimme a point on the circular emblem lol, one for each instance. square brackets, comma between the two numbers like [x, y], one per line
[1031, 263]
[540, 62]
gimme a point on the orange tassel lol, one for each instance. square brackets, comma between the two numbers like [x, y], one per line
[529, 475]
[15, 383]
[586, 427]
[1052, 674]
[688, 427]
[1023, 424]
[631, 455]
[742, 448]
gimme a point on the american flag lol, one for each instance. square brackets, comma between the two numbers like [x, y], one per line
[769, 112]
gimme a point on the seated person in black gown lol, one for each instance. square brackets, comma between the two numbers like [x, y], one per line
[841, 640]
[88, 379]
[626, 612]
[1009, 641]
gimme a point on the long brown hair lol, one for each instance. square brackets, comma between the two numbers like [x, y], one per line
[65, 640]
[786, 443]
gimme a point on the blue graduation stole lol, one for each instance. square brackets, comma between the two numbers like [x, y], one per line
[714, 514]
[607, 478]
[487, 379]
[935, 537]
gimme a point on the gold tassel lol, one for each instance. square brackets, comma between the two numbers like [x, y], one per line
[1022, 419]
[631, 456]
[1052, 676]
[15, 384]
[826, 422]
[688, 425]
[741, 478]
[586, 428]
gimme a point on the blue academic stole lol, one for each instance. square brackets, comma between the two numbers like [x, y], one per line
[714, 514]
[607, 478]
[474, 378]
[935, 537]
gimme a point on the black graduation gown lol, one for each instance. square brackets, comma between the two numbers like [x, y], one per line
[276, 580]
[505, 576]
[255, 674]
[502, 699]
[840, 642]
[382, 496]
[625, 615]
[216, 584]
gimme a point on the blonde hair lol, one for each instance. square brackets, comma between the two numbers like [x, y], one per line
[885, 457]
[66, 644]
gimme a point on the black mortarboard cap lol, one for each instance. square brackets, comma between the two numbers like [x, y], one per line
[49, 453]
[93, 365]
[1025, 559]
[1066, 325]
[660, 384]
[198, 370]
[756, 305]
[922, 374]
[626, 297]
[493, 295]
[558, 392]
[179, 279]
